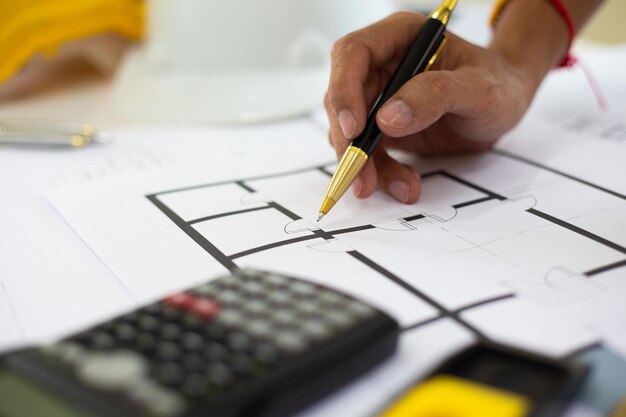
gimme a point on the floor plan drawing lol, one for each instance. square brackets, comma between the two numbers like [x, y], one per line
[513, 248]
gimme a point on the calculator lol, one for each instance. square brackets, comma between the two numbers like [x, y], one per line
[253, 344]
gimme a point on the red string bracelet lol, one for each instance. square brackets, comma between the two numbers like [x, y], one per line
[568, 60]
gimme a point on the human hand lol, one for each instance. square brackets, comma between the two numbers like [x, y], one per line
[469, 98]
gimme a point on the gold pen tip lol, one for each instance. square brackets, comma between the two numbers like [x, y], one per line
[320, 216]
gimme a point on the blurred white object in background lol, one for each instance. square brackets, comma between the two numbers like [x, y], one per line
[236, 61]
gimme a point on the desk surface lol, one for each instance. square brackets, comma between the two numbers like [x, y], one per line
[607, 383]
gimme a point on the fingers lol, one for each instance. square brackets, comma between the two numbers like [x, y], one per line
[429, 96]
[385, 173]
[398, 180]
[355, 59]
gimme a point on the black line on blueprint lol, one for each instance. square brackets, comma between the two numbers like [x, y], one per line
[324, 171]
[352, 229]
[431, 174]
[605, 268]
[578, 230]
[285, 211]
[474, 186]
[484, 302]
[245, 186]
[227, 182]
[472, 202]
[194, 234]
[414, 217]
[421, 323]
[440, 308]
[272, 246]
[230, 213]
[555, 171]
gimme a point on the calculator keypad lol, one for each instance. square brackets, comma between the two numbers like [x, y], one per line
[201, 344]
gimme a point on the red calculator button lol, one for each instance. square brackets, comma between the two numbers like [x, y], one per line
[181, 300]
[205, 308]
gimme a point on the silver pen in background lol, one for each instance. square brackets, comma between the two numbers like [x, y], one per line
[50, 133]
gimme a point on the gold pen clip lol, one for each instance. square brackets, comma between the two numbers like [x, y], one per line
[434, 57]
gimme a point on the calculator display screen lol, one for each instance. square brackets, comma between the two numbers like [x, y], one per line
[22, 399]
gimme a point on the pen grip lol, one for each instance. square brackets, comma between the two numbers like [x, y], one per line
[416, 60]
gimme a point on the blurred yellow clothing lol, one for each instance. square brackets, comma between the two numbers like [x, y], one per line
[32, 27]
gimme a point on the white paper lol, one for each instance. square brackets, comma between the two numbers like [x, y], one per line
[487, 228]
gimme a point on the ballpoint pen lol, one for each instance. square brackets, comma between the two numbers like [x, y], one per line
[419, 57]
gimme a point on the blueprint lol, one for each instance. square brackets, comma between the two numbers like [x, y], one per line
[502, 244]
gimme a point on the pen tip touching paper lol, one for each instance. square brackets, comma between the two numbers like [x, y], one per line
[320, 216]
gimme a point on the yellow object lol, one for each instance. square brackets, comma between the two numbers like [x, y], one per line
[497, 10]
[448, 396]
[28, 27]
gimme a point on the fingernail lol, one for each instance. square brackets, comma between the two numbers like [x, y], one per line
[357, 186]
[399, 190]
[396, 113]
[347, 123]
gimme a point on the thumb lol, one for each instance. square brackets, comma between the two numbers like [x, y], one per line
[427, 97]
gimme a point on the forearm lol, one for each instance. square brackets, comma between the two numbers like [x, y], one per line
[533, 36]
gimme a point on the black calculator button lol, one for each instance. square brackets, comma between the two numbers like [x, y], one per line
[145, 341]
[309, 307]
[169, 373]
[194, 362]
[192, 322]
[256, 307]
[170, 331]
[316, 329]
[359, 309]
[101, 341]
[208, 291]
[303, 289]
[168, 351]
[214, 331]
[228, 281]
[111, 371]
[231, 318]
[284, 317]
[192, 341]
[229, 297]
[239, 342]
[152, 308]
[169, 313]
[332, 298]
[243, 364]
[69, 352]
[219, 375]
[275, 280]
[266, 353]
[125, 332]
[215, 351]
[195, 385]
[340, 319]
[290, 341]
[253, 288]
[259, 328]
[148, 323]
[279, 297]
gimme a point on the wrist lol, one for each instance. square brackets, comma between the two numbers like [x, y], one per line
[532, 37]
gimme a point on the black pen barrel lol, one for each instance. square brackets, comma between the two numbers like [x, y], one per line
[424, 47]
